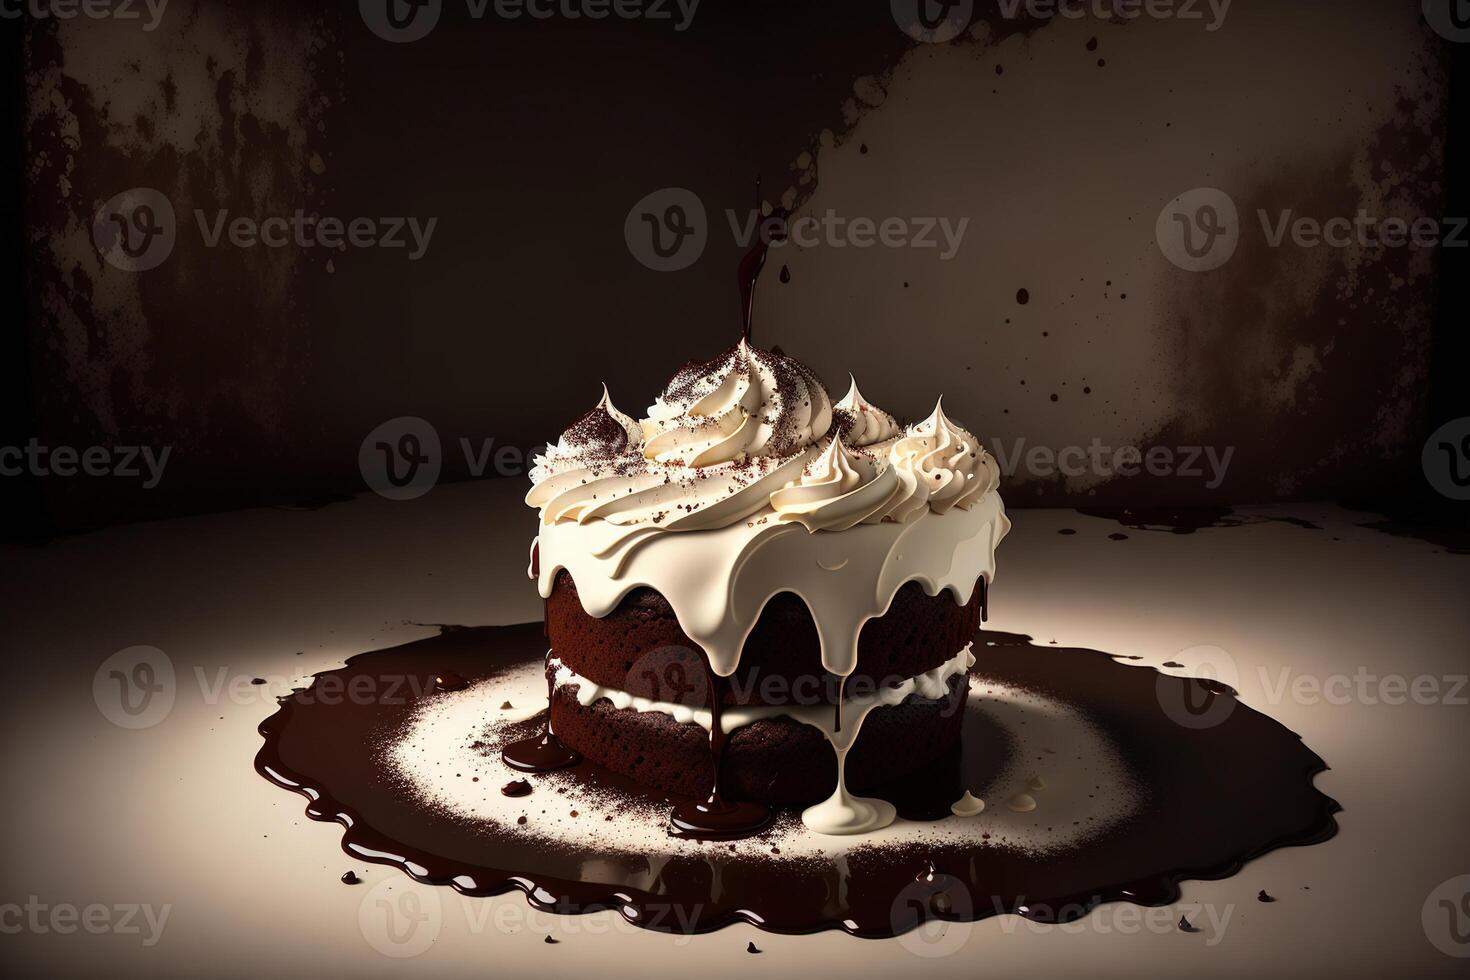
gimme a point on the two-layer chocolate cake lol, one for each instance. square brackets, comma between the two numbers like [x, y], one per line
[757, 597]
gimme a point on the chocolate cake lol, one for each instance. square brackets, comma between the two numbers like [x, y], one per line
[756, 597]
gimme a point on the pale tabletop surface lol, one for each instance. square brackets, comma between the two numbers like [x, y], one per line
[174, 817]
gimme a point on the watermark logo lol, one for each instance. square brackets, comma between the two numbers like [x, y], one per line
[1446, 917]
[1210, 12]
[135, 230]
[1209, 464]
[148, 12]
[1204, 699]
[401, 21]
[124, 462]
[1199, 230]
[135, 688]
[402, 458]
[932, 21]
[667, 230]
[673, 675]
[924, 901]
[1449, 18]
[1446, 459]
[400, 917]
[40, 918]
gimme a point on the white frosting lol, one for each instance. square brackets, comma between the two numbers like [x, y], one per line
[717, 581]
[841, 813]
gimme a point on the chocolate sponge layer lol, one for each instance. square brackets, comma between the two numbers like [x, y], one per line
[777, 761]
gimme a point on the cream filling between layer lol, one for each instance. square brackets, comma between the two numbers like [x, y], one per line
[840, 814]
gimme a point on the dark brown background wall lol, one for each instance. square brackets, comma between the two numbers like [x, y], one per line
[529, 141]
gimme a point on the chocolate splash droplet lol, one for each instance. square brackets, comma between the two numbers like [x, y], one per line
[350, 878]
[1023, 296]
[550, 942]
[752, 948]
[785, 273]
[1185, 926]
[1262, 896]
[449, 681]
[516, 787]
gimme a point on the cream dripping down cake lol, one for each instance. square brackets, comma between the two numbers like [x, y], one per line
[757, 597]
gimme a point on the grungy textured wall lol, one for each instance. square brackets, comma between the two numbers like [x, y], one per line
[1058, 143]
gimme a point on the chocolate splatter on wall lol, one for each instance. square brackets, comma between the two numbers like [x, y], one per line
[264, 368]
[1310, 362]
[221, 112]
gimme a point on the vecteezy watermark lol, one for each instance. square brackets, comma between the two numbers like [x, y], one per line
[1204, 699]
[668, 230]
[148, 12]
[137, 230]
[122, 462]
[1446, 459]
[932, 21]
[1211, 13]
[139, 688]
[403, 21]
[66, 919]
[1449, 18]
[400, 917]
[934, 916]
[1200, 229]
[1446, 917]
[403, 918]
[135, 688]
[1207, 463]
[1206, 696]
[403, 458]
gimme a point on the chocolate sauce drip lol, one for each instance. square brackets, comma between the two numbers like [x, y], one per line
[984, 588]
[544, 752]
[716, 818]
[1219, 796]
[755, 259]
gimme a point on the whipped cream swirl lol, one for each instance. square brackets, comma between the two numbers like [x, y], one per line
[744, 403]
[753, 433]
[948, 461]
[862, 423]
[839, 490]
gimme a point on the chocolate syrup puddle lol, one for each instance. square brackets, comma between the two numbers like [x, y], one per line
[544, 752]
[1218, 796]
[717, 818]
